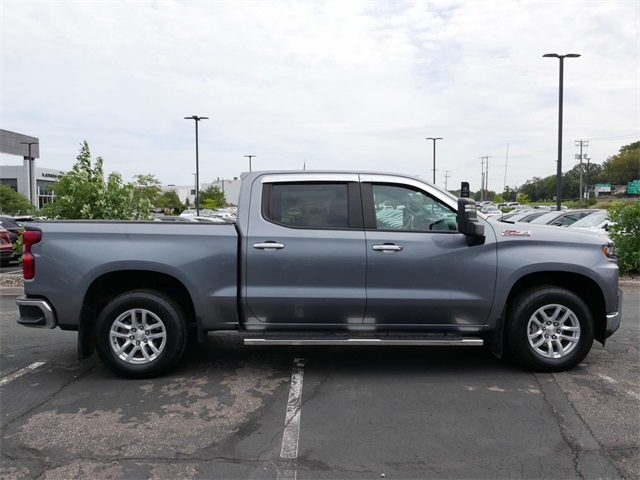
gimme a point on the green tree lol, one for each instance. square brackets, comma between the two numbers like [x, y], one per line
[216, 196]
[170, 200]
[147, 186]
[83, 193]
[509, 194]
[14, 203]
[622, 168]
[498, 199]
[523, 199]
[625, 233]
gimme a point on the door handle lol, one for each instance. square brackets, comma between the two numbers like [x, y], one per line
[387, 248]
[269, 246]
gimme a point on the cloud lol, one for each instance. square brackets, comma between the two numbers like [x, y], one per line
[340, 85]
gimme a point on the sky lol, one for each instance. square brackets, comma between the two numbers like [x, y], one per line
[335, 85]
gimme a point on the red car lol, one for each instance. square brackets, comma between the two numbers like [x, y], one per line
[6, 248]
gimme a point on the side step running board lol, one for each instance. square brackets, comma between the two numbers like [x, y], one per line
[442, 342]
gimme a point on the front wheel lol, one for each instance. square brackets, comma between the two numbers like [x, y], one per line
[549, 329]
[140, 334]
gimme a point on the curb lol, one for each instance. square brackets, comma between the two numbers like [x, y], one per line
[11, 291]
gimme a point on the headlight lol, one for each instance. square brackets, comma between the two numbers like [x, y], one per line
[609, 250]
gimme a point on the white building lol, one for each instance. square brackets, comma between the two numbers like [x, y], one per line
[230, 188]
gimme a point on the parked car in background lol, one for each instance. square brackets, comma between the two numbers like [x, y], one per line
[210, 220]
[12, 226]
[6, 248]
[597, 222]
[189, 212]
[514, 213]
[562, 218]
[524, 217]
[180, 219]
[491, 211]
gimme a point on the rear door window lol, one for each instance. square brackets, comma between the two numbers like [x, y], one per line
[308, 205]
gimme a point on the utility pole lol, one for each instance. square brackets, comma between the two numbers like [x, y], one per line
[485, 177]
[587, 185]
[481, 179]
[504, 185]
[446, 178]
[581, 143]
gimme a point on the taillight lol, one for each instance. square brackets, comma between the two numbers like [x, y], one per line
[29, 237]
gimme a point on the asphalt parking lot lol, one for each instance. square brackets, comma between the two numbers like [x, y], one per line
[231, 411]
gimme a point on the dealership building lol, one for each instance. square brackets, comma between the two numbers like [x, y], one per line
[32, 181]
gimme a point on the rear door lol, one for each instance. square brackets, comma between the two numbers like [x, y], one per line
[420, 270]
[305, 252]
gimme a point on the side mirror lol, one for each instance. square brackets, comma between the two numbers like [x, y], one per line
[468, 222]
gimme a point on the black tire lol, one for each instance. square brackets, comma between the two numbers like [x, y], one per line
[537, 341]
[141, 353]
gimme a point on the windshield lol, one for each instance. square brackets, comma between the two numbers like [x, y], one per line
[546, 218]
[591, 220]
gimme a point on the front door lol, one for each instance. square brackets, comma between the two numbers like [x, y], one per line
[420, 270]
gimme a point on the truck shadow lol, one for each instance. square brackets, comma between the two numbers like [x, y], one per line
[228, 348]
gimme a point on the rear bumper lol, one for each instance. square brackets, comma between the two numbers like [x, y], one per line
[36, 312]
[613, 318]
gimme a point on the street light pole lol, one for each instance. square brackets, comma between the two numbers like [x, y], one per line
[434, 155]
[559, 171]
[250, 157]
[30, 168]
[197, 119]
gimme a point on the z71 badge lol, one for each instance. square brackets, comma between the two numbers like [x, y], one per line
[516, 233]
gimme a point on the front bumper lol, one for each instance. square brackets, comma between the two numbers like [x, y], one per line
[613, 319]
[36, 312]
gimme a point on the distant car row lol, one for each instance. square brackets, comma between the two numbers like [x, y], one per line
[592, 219]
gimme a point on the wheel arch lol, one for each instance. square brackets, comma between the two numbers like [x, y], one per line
[109, 285]
[584, 287]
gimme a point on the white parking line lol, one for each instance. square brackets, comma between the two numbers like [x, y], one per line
[21, 372]
[607, 378]
[291, 433]
[613, 381]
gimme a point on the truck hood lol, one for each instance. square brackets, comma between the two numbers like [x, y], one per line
[545, 233]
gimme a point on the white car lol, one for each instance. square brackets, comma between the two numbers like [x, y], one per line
[597, 222]
[491, 211]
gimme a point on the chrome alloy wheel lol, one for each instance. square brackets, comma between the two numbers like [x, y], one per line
[138, 336]
[553, 331]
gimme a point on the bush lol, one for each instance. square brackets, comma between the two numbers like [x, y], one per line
[625, 232]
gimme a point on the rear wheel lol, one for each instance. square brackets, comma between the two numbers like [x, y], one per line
[549, 329]
[141, 334]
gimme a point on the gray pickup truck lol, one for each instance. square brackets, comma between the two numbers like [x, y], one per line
[324, 258]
